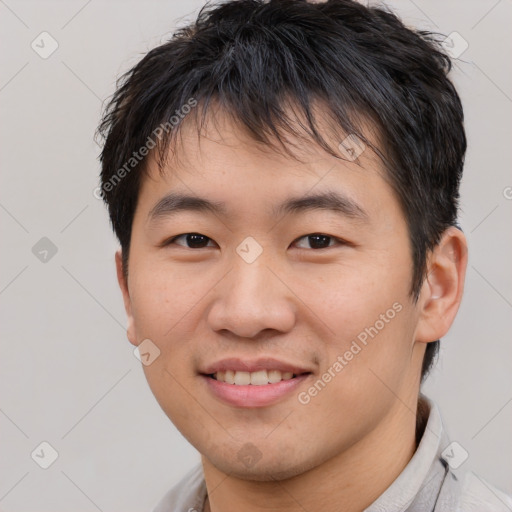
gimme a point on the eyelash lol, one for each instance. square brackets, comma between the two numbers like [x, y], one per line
[340, 241]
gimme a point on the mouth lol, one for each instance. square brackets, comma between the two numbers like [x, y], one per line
[257, 378]
[258, 384]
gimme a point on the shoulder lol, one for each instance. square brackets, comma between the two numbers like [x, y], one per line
[461, 490]
[481, 496]
[471, 493]
[187, 495]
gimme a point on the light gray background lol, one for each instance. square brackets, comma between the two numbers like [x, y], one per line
[68, 373]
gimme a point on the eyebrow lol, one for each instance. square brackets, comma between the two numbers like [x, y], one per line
[331, 201]
[175, 203]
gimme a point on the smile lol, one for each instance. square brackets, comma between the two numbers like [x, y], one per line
[243, 393]
[259, 378]
[253, 383]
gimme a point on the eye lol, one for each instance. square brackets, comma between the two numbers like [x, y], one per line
[191, 241]
[198, 241]
[320, 241]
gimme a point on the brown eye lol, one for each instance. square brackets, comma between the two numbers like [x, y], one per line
[319, 241]
[191, 240]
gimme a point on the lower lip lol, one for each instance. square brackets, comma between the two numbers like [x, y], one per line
[254, 396]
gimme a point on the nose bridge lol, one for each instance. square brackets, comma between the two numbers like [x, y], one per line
[251, 298]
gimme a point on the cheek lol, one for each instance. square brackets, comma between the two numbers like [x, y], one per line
[350, 296]
[369, 330]
[167, 306]
[162, 299]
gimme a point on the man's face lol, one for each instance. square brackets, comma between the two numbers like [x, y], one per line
[253, 290]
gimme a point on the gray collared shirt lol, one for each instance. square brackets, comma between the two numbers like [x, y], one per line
[427, 483]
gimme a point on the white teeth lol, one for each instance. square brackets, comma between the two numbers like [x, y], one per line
[229, 377]
[242, 378]
[274, 376]
[259, 378]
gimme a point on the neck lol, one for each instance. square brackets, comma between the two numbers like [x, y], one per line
[350, 481]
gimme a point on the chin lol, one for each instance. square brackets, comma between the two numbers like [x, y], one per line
[274, 470]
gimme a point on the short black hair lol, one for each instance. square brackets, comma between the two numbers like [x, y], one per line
[255, 59]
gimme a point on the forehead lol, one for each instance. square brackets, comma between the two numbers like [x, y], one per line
[223, 169]
[217, 132]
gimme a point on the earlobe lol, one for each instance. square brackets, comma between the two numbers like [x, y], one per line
[123, 285]
[443, 287]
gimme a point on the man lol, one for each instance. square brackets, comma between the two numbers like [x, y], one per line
[283, 179]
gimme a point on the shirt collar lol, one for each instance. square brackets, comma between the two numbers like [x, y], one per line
[422, 478]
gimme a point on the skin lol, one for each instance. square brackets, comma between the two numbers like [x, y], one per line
[297, 303]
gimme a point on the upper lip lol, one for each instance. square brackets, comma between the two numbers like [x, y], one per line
[267, 363]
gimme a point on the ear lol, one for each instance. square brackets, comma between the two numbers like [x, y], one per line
[442, 289]
[123, 284]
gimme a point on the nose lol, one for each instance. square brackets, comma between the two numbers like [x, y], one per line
[252, 297]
